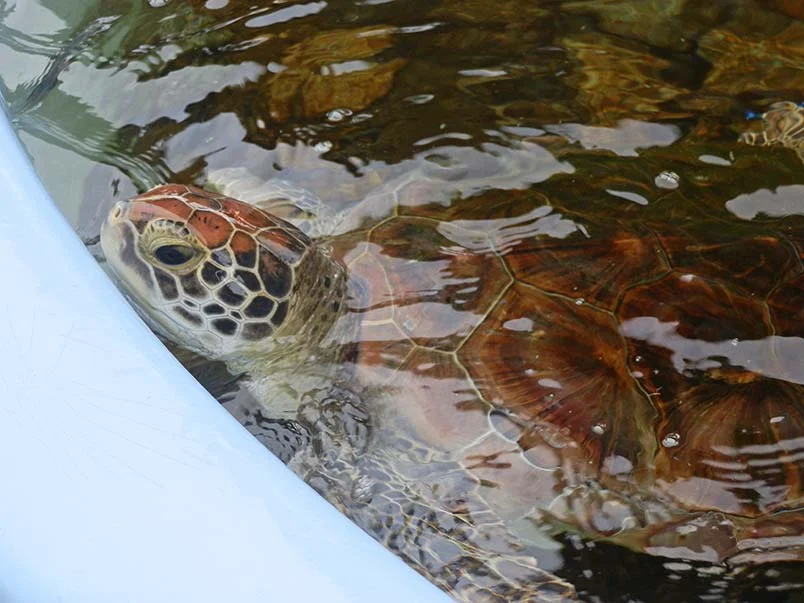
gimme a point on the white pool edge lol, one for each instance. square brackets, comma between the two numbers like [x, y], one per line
[123, 479]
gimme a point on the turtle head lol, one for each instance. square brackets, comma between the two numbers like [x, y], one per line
[216, 275]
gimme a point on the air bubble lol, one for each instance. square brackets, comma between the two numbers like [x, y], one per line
[323, 146]
[338, 114]
[678, 567]
[667, 180]
[420, 99]
[157, 3]
[671, 440]
[579, 301]
[599, 429]
[362, 489]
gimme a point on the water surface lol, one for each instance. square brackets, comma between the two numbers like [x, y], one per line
[556, 122]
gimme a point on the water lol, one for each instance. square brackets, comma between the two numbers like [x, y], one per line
[592, 144]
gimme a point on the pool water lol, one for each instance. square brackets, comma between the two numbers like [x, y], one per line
[595, 148]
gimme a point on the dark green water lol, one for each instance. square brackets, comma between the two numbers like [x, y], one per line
[621, 114]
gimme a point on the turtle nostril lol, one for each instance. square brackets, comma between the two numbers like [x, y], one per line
[117, 210]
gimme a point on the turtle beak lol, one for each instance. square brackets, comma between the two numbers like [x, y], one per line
[110, 229]
[118, 239]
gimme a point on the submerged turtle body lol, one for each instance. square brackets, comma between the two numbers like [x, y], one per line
[642, 386]
[662, 370]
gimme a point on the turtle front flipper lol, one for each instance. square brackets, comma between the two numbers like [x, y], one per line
[464, 549]
[441, 528]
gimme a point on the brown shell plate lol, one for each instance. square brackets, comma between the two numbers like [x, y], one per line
[664, 365]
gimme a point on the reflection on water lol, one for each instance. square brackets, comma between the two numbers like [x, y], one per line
[579, 289]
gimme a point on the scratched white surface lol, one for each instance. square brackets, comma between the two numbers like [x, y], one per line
[122, 479]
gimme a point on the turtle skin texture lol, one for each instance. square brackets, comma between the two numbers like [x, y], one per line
[519, 366]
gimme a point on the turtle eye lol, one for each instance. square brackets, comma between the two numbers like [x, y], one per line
[174, 255]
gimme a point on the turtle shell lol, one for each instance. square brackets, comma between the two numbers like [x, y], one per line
[545, 352]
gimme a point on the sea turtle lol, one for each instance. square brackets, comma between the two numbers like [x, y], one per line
[476, 370]
[782, 124]
[619, 79]
[332, 70]
[147, 243]
[754, 61]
